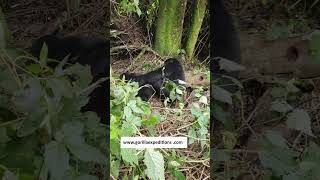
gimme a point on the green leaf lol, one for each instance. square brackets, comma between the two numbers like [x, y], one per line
[44, 54]
[195, 110]
[83, 74]
[114, 168]
[155, 164]
[310, 162]
[60, 87]
[174, 163]
[223, 116]
[115, 148]
[300, 120]
[133, 105]
[19, 154]
[151, 121]
[130, 156]
[278, 92]
[127, 112]
[136, 3]
[57, 159]
[178, 175]
[31, 123]
[34, 68]
[192, 135]
[276, 139]
[71, 107]
[76, 144]
[128, 129]
[203, 120]
[27, 100]
[281, 106]
[221, 94]
[280, 160]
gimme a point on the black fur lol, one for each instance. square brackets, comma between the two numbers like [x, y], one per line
[171, 70]
[225, 43]
[86, 51]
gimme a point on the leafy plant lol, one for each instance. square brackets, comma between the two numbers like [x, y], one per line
[129, 6]
[128, 114]
[152, 12]
[176, 91]
[44, 133]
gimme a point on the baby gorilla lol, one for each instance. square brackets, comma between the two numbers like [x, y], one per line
[153, 82]
[86, 51]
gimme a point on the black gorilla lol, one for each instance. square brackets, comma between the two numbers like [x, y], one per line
[152, 82]
[86, 51]
[225, 43]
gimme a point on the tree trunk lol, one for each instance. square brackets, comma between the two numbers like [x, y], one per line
[169, 26]
[196, 22]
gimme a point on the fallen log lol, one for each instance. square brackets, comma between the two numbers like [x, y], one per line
[289, 57]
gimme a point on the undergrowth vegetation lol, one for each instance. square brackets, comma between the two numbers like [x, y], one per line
[270, 129]
[182, 114]
[131, 117]
[43, 134]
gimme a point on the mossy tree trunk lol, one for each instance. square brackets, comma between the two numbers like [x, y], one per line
[5, 35]
[169, 27]
[196, 22]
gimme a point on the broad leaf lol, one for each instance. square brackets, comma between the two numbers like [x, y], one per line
[44, 54]
[76, 144]
[280, 106]
[300, 120]
[276, 139]
[280, 160]
[130, 156]
[57, 159]
[221, 94]
[155, 164]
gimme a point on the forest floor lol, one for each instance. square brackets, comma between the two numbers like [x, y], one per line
[134, 54]
[29, 19]
[252, 114]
